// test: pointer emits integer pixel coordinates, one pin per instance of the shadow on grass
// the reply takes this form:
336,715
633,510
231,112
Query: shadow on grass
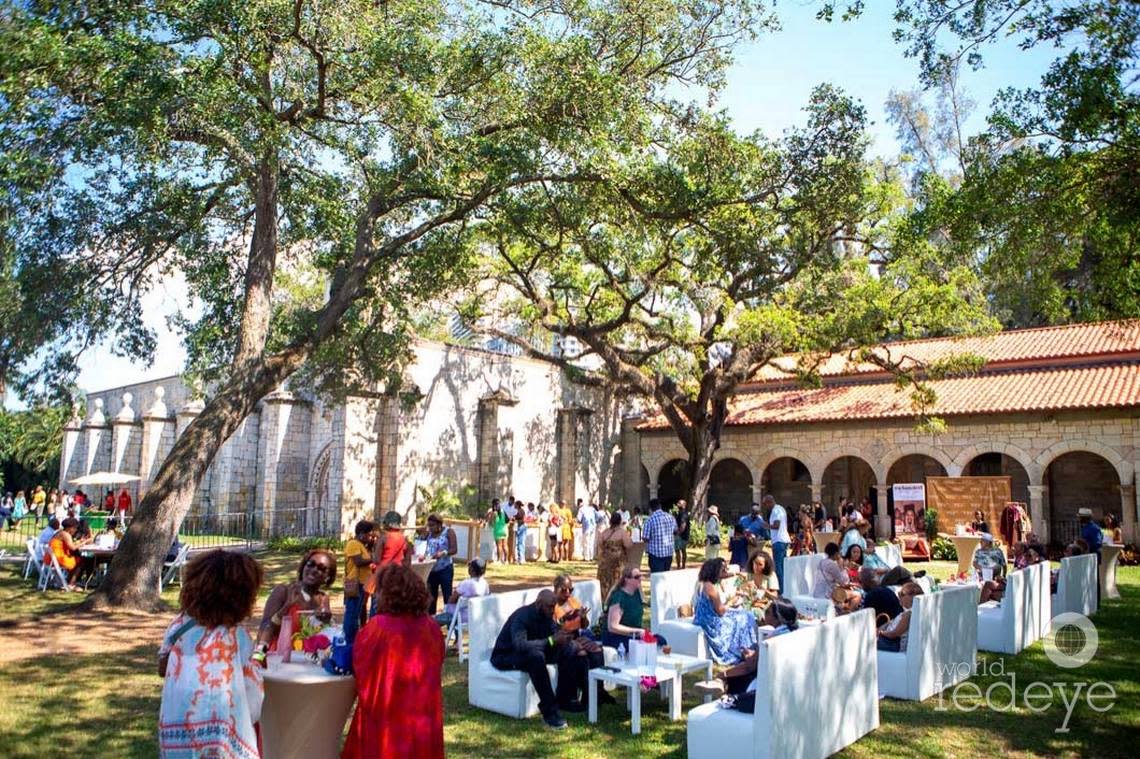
81,705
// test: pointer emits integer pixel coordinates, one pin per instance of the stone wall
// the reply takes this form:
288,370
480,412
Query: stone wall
1033,441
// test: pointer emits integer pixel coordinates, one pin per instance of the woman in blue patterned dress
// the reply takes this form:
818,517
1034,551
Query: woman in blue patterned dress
729,632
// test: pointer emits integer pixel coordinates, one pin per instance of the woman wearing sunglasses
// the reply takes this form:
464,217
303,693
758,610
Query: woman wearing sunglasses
306,597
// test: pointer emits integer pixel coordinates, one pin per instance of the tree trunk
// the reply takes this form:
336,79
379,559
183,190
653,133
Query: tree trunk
257,309
705,441
132,581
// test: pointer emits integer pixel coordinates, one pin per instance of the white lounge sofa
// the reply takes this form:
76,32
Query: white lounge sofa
803,709
942,645
1023,616
509,693
1076,586
668,591
799,577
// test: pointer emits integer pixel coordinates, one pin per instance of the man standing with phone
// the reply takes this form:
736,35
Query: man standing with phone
778,528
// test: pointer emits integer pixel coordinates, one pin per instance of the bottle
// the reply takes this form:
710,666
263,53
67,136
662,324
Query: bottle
622,660
285,639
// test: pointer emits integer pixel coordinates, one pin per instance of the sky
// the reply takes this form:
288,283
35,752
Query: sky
767,88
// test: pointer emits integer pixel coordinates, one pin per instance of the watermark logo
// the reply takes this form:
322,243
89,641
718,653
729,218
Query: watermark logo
1072,641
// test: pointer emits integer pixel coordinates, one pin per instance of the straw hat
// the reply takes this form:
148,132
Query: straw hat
1084,512
714,511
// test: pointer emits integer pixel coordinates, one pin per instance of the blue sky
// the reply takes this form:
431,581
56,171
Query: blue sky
767,89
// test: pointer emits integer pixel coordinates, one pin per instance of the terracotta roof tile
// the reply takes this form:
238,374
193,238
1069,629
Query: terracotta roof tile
1111,385
1068,342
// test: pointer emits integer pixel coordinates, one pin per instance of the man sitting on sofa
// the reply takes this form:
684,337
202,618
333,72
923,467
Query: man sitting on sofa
528,642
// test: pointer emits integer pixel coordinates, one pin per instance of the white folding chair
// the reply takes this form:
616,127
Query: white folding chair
171,569
455,628
34,559
52,574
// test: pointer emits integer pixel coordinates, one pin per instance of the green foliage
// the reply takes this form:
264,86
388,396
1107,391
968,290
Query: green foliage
452,499
30,445
930,516
942,549
1044,203
294,545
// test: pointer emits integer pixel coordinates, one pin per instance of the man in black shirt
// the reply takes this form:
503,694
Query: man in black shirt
529,641
882,600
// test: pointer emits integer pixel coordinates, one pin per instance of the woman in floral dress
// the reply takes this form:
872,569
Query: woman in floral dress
212,689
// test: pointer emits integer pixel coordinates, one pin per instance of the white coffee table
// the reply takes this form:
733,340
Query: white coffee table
683,664
630,679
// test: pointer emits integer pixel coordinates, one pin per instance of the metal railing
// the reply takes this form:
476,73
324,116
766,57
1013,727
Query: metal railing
206,530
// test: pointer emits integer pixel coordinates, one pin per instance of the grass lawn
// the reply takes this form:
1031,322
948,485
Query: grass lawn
84,685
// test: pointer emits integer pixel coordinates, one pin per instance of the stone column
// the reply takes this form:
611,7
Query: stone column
1037,512
186,415
72,432
567,432
816,492
489,463
756,492
157,438
98,441
1128,513
125,444
882,518
630,463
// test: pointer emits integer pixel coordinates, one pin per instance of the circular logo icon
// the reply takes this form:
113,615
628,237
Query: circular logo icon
1072,641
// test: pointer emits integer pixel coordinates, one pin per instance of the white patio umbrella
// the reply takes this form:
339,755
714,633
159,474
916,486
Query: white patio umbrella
104,478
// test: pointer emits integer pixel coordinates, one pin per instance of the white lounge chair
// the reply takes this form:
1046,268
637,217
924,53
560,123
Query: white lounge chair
668,591
508,692
1022,617
1076,586
942,644
803,709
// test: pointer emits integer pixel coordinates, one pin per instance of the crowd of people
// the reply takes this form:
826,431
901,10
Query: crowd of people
46,504
213,687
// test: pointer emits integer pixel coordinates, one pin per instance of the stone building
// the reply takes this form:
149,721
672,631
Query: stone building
465,419
1057,409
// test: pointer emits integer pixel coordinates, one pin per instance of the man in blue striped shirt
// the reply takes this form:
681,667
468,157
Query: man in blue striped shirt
658,536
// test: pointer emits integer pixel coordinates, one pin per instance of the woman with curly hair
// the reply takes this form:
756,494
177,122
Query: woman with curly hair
301,600
211,693
398,663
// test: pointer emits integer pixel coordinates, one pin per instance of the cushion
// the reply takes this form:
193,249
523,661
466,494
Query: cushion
715,732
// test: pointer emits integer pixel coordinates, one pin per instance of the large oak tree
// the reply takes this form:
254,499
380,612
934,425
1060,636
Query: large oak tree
356,139
689,271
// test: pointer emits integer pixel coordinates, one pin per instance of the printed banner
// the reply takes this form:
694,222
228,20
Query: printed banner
910,508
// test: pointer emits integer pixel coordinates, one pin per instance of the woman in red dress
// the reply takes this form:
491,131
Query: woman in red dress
398,662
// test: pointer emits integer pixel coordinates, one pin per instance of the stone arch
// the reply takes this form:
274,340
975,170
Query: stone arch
321,506
997,463
790,487
655,464
847,476
892,456
832,456
1122,467
723,454
730,488
1074,480
673,481
1031,467
765,459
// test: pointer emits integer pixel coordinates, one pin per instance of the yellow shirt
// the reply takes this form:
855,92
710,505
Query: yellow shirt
352,549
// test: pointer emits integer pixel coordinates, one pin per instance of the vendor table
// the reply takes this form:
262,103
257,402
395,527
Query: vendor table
304,711
823,538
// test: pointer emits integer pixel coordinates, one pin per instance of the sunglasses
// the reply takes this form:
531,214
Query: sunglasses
314,564
635,577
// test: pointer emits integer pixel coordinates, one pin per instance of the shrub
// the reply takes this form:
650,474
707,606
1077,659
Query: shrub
294,544
942,549
931,519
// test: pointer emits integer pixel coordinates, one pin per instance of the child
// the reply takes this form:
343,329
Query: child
212,691
738,546
520,536
474,586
